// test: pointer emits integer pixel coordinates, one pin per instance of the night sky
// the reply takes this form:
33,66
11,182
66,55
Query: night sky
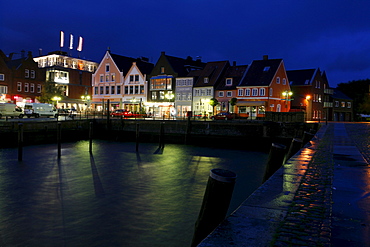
333,35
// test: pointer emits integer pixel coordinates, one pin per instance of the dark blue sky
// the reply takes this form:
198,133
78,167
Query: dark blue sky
333,35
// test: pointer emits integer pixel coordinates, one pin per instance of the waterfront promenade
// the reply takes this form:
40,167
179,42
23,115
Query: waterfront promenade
320,197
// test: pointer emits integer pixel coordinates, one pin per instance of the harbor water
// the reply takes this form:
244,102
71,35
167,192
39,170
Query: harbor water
114,196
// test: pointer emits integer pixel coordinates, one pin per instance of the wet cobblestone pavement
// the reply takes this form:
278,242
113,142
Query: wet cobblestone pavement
309,221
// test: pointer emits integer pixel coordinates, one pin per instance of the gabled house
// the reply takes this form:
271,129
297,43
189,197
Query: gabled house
20,79
122,81
226,90
204,88
264,87
310,93
342,109
162,85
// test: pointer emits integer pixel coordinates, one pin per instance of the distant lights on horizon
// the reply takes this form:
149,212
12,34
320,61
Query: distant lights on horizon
80,42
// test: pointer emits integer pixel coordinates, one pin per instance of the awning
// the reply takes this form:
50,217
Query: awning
250,103
162,77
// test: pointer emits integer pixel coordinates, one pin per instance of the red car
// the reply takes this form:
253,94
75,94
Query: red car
223,116
121,112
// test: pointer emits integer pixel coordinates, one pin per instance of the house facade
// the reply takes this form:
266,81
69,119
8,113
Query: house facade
71,75
162,83
21,79
342,109
264,87
204,88
184,94
226,91
311,93
120,81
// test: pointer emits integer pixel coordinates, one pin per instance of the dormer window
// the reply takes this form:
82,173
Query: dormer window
206,80
267,68
107,68
229,81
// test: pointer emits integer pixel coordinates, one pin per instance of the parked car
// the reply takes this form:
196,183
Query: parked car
67,112
121,113
224,116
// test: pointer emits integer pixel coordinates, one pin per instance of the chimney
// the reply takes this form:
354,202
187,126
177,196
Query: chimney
163,53
265,57
29,54
234,63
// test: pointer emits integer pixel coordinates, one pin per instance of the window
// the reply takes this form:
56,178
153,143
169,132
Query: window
118,89
343,104
160,84
113,77
32,88
267,68
196,92
162,70
112,89
221,94
229,81
247,92
33,74
349,104
136,77
96,90
161,95
202,92
2,77
284,81
101,90
154,95
38,88
106,77
262,92
107,68
208,92
106,89
277,80
26,73
178,96
19,86
254,92
242,109
126,89
229,94
307,82
240,92
3,89
271,91
336,103
101,78
136,89
142,89
131,89
206,80
131,78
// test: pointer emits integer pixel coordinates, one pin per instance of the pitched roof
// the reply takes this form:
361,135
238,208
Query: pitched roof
261,72
214,71
124,63
337,94
183,66
234,72
300,77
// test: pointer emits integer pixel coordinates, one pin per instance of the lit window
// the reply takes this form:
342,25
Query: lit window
113,77
206,80
349,104
247,92
142,89
240,92
3,89
162,70
208,92
254,92
154,95
343,104
262,92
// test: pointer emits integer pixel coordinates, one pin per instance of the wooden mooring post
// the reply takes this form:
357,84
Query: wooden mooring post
59,137
90,136
275,159
20,142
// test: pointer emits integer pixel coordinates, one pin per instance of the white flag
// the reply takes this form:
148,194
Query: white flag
79,48
71,42
61,39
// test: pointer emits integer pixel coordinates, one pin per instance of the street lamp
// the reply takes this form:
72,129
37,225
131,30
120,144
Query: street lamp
56,98
86,98
169,95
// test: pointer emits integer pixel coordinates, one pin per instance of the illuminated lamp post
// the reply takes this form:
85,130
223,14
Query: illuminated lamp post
308,108
169,95
57,99
86,98
287,95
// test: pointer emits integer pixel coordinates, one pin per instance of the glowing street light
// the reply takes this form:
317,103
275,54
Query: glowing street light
57,99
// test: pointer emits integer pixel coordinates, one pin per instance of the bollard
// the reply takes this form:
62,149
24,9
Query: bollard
275,160
20,142
161,136
137,137
295,145
59,136
188,130
90,136
307,136
215,204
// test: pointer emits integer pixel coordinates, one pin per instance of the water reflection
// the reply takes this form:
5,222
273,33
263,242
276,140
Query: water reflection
114,197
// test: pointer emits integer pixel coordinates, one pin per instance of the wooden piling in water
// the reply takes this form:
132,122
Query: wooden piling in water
215,204
20,142
59,137
275,159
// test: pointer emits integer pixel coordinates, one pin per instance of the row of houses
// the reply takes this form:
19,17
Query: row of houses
173,86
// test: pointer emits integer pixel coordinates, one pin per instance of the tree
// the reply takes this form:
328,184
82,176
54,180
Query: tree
359,92
213,102
50,90
233,103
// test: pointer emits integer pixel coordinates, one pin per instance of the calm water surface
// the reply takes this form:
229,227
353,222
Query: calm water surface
115,197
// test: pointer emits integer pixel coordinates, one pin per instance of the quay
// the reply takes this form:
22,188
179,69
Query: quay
320,197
